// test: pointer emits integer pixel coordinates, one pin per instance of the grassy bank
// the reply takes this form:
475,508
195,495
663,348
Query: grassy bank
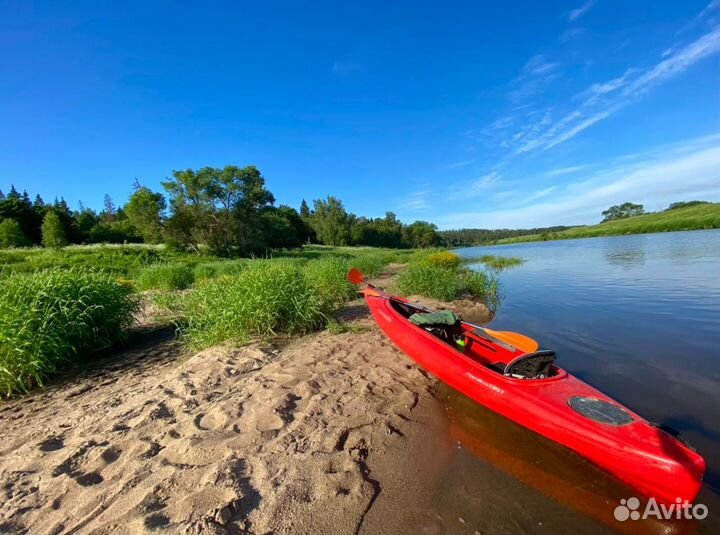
442,276
50,319
705,216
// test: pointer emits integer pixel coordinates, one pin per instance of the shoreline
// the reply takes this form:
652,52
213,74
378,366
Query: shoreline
519,241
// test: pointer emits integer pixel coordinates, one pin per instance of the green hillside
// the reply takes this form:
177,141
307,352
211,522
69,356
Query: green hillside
704,216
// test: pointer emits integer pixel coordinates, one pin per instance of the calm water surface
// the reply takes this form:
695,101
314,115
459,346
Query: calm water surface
637,317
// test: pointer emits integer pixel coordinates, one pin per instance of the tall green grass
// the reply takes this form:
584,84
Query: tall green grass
372,263
484,286
268,297
426,279
498,263
210,270
328,277
166,277
50,318
449,283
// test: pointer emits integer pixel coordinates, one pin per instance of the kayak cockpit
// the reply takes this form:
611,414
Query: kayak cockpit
473,342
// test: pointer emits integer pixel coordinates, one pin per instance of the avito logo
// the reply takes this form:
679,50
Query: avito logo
630,510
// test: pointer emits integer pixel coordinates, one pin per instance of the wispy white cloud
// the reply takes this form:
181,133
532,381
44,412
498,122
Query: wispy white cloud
561,171
482,185
578,127
455,165
580,11
603,99
608,86
534,76
676,63
418,200
540,194
686,171
570,34
706,14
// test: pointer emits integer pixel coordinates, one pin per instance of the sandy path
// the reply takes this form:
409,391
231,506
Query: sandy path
310,438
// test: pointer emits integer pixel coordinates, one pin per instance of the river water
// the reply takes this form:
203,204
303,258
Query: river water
638,317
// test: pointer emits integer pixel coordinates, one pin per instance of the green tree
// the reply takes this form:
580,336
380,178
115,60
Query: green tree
53,232
622,211
283,228
421,234
85,220
685,204
331,222
11,234
14,206
218,207
144,210
13,194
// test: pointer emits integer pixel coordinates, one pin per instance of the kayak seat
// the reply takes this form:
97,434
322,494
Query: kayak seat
535,365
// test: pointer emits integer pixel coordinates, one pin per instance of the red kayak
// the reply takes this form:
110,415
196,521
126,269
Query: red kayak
529,389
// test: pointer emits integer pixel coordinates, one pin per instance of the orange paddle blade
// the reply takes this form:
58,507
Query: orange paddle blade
522,342
355,276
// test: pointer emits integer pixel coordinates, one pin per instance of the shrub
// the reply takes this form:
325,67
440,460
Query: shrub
50,318
11,235
428,280
266,298
166,277
444,259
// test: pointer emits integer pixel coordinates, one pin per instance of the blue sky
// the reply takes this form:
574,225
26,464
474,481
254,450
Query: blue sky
468,114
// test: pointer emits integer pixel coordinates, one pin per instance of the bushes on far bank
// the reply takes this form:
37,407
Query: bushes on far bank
49,318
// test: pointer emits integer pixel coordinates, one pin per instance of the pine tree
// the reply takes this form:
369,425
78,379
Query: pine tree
38,203
13,193
108,213
2,195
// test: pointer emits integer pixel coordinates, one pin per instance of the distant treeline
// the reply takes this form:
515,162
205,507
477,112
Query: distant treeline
479,236
227,211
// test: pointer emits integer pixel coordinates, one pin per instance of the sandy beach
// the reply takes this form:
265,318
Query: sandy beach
309,435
